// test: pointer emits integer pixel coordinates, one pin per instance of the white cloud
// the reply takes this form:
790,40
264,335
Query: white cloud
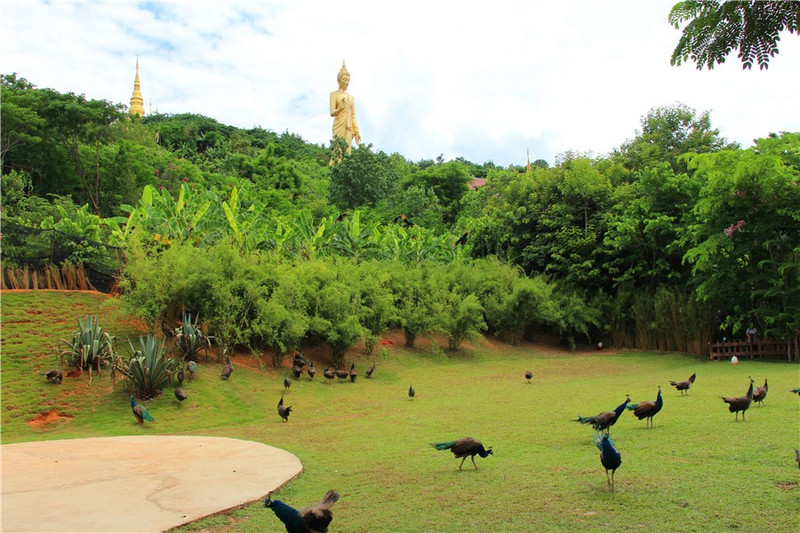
480,81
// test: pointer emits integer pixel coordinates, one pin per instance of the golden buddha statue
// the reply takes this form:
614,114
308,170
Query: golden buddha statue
343,111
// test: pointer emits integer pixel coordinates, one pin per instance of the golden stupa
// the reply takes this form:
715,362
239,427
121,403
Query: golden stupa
137,102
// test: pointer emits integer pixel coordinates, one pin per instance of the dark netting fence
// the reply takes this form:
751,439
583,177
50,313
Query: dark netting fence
35,258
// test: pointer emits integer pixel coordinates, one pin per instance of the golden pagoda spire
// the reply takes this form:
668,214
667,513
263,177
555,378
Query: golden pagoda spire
137,102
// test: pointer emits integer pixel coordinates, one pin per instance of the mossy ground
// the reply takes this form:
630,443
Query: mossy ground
697,469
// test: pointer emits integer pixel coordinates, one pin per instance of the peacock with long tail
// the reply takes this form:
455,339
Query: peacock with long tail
683,386
315,518
603,421
610,457
648,409
140,412
463,448
740,403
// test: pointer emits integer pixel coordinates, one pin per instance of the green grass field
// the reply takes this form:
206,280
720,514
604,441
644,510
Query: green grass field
696,470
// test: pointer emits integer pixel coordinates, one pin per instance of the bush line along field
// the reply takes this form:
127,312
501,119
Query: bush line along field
697,469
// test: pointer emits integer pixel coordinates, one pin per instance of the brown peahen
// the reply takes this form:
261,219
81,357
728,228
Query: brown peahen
315,518
739,403
370,371
466,447
683,386
54,376
284,411
647,409
759,393
328,373
529,376
227,370
180,394
311,370
353,373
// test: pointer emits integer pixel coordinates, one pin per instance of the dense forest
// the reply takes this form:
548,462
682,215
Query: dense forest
673,239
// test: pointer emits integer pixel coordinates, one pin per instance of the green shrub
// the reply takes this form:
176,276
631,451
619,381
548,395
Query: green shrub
191,338
148,370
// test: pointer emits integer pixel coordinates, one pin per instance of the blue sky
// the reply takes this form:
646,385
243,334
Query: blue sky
483,80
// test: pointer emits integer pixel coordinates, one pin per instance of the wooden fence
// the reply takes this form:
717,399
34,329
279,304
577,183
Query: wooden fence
753,350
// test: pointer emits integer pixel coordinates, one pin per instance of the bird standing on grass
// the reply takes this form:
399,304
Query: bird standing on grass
466,447
609,456
140,412
796,391
353,373
227,370
606,419
180,394
411,391
286,385
529,376
311,370
315,518
342,374
328,373
297,371
54,376
284,411
739,403
759,393
370,371
683,386
647,409
191,367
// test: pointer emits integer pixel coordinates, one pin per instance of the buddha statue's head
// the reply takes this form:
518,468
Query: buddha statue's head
343,77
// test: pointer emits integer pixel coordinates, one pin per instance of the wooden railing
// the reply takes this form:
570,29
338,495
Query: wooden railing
753,350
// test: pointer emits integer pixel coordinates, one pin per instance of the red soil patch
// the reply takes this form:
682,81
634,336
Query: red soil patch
42,420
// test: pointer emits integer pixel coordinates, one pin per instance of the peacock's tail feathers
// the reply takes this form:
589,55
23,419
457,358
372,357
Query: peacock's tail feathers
330,498
443,445
632,406
146,414
586,419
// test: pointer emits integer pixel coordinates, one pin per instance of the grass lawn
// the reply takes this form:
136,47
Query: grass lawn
697,470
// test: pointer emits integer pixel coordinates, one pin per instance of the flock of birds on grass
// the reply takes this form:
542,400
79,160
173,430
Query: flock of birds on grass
317,518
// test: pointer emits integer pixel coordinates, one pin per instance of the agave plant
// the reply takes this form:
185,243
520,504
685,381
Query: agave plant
91,347
190,338
148,369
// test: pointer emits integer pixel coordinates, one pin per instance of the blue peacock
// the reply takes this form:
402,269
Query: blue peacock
140,412
315,518
610,457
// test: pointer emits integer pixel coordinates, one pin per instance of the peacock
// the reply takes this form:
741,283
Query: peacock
140,412
466,447
759,393
683,386
181,376
610,457
328,373
297,371
227,370
648,409
191,367
54,376
606,419
286,385
795,391
180,394
353,373
342,374
411,391
311,370
529,376
739,403
284,411
315,518
371,370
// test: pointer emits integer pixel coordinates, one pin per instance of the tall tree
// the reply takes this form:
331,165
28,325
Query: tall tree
716,28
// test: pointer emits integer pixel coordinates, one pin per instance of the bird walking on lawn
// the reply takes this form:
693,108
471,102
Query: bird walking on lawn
739,403
796,391
297,371
227,370
606,419
181,376
284,411
353,373
140,412
411,391
683,386
463,448
54,376
797,456
315,518
180,394
370,371
759,393
311,370
648,409
191,367
328,373
529,376
610,457
286,385
342,374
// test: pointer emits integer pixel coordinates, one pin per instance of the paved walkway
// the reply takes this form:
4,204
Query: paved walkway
134,483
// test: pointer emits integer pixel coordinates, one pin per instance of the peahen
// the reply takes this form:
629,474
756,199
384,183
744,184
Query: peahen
609,456
328,373
191,367
180,394
371,370
529,376
648,409
181,376
466,447
286,385
739,403
342,374
606,419
683,386
297,371
227,370
140,412
411,391
284,411
54,376
353,373
759,393
311,370
315,518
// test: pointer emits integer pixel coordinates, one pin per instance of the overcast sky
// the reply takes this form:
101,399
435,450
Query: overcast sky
481,80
